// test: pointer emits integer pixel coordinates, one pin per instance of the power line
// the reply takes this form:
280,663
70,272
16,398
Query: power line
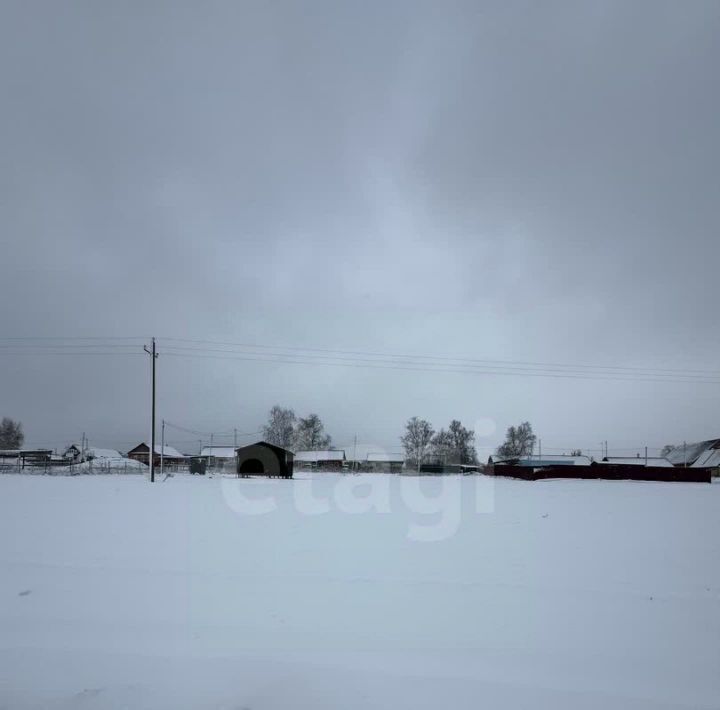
114,345
419,367
73,337
68,352
510,363
253,352
229,433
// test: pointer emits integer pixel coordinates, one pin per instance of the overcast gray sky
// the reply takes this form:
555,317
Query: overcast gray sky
532,182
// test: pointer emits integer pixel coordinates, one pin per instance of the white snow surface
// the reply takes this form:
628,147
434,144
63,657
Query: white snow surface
566,595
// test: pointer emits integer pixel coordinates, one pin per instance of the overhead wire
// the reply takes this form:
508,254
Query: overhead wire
466,360
175,351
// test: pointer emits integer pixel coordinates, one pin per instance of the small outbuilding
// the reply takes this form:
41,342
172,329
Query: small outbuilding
383,462
263,459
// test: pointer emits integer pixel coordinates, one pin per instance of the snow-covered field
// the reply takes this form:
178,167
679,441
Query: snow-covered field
185,594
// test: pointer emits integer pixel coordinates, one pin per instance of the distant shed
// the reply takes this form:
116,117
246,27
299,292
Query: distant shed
263,459
219,456
381,462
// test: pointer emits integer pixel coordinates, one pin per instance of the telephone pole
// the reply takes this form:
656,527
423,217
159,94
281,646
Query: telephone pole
153,356
162,447
235,438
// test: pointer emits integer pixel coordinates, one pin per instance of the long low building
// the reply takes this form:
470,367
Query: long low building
538,461
329,460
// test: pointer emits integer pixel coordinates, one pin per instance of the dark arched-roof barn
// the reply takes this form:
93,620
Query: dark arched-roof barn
263,459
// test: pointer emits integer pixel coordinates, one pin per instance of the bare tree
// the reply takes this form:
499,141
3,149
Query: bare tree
456,445
576,452
11,434
666,449
280,427
416,440
441,447
310,434
463,443
519,441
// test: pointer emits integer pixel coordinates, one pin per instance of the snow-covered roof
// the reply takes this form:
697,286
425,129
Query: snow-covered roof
637,461
689,453
95,453
710,458
385,458
219,452
313,456
169,451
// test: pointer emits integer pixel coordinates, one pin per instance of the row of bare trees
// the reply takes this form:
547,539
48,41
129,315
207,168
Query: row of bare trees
454,445
284,428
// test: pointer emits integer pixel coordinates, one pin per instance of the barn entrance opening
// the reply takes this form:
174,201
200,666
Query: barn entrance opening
252,466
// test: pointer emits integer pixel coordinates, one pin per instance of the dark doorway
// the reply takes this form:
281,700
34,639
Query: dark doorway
252,466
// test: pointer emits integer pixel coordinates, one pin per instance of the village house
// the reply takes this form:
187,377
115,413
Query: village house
170,456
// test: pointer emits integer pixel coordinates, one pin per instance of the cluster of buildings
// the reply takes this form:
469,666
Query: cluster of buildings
690,462
696,462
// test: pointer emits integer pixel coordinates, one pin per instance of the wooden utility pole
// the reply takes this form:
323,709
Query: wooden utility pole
151,458
162,448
